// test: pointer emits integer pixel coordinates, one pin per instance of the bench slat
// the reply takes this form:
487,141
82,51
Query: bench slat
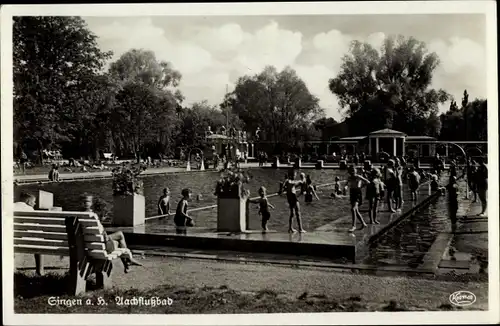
91,230
41,242
88,222
44,250
40,227
40,234
38,220
95,246
93,237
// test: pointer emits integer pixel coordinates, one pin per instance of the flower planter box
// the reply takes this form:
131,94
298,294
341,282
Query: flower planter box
298,163
276,163
231,214
129,210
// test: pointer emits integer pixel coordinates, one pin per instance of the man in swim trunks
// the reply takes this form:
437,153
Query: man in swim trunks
355,183
290,186
391,183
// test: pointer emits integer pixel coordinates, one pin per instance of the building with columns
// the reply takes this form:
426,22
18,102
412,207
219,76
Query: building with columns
389,141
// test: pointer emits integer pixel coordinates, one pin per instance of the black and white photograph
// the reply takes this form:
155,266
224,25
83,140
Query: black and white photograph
250,163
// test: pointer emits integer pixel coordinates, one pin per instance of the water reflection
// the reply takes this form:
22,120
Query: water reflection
408,242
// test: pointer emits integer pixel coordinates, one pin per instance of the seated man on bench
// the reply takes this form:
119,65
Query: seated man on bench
27,203
114,240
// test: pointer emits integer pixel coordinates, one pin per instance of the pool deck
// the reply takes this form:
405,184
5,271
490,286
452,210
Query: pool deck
106,174
331,240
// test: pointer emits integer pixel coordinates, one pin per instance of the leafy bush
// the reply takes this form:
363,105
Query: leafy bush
126,180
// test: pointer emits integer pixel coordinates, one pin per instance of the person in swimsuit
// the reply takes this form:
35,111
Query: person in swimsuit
264,205
114,240
164,204
391,183
398,194
310,191
355,182
290,186
481,181
413,183
281,188
303,184
181,219
453,193
373,191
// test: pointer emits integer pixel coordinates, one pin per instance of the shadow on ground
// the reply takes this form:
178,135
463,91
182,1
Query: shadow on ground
30,285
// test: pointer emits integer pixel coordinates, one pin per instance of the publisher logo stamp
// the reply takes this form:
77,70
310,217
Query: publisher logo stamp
462,298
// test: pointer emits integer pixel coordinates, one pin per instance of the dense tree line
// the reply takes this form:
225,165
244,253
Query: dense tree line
65,99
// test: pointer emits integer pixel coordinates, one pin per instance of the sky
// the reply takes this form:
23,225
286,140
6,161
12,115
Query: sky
211,52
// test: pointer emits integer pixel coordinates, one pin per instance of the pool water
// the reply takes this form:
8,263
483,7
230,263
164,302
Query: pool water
67,194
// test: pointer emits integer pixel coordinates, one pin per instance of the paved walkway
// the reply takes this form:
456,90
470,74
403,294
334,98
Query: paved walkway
468,247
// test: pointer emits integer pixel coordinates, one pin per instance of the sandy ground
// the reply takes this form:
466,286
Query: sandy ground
283,280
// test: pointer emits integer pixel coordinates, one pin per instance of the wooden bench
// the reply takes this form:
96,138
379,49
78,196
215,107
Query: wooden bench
78,235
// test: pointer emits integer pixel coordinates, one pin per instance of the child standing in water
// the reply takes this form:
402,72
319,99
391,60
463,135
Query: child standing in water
413,183
355,182
164,204
263,207
181,218
290,186
373,192
310,192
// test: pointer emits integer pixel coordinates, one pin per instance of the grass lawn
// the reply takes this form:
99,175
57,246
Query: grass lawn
207,300
197,286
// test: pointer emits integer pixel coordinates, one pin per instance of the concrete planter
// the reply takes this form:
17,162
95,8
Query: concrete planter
232,213
276,163
343,165
298,163
129,210
319,164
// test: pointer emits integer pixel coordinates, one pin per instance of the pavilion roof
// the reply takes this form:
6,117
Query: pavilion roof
387,131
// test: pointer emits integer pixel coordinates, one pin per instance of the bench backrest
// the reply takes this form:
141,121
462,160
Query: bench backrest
44,232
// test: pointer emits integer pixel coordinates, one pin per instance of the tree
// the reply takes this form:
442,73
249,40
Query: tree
54,59
394,82
470,122
141,66
278,103
148,105
196,120
144,118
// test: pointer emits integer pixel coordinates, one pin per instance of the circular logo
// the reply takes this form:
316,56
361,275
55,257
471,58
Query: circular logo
462,298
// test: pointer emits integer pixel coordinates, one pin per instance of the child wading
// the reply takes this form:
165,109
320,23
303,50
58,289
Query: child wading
453,202
413,183
310,192
373,192
263,207
293,202
355,183
181,219
164,204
